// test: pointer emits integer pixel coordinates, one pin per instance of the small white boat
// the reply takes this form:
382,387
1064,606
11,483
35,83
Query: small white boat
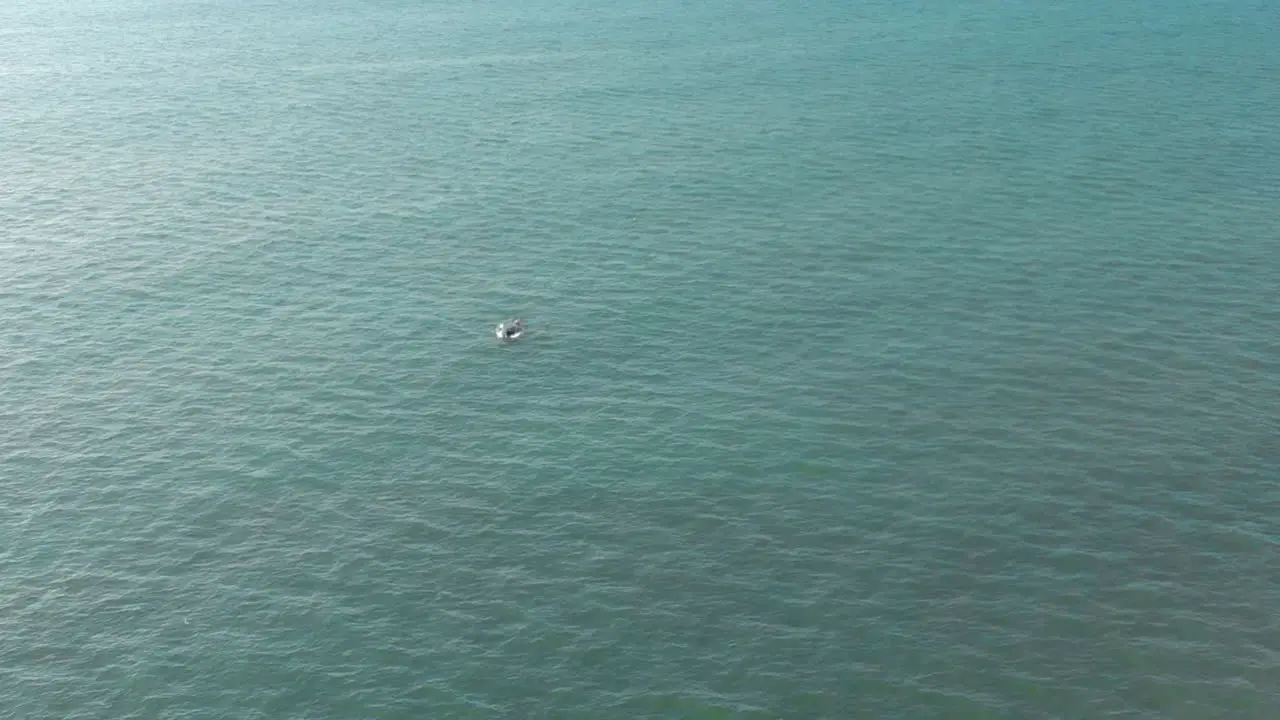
510,330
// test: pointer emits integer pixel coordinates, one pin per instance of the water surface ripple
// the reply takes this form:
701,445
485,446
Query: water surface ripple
886,360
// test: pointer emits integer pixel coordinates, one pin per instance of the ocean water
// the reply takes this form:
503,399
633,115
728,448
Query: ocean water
887,360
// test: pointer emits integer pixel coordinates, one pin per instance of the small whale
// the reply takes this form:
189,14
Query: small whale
510,330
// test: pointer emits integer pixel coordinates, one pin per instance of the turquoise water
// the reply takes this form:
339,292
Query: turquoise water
912,360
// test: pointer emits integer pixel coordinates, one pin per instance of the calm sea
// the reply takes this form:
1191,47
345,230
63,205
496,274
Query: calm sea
908,359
